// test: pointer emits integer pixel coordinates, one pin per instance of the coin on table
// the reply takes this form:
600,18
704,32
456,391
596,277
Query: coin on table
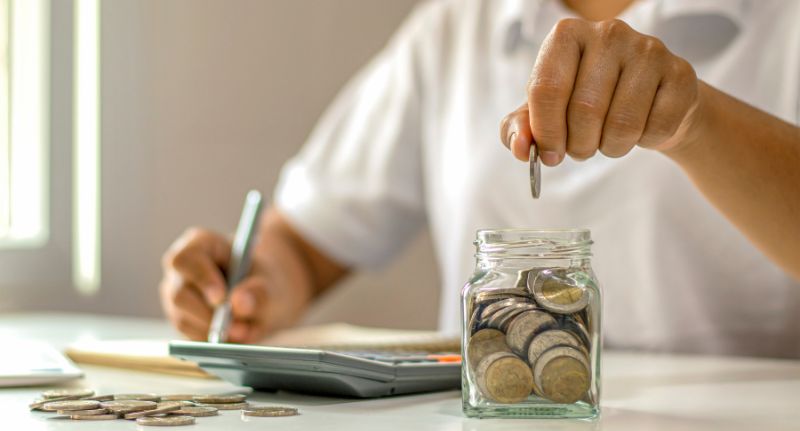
551,338
137,397
71,405
535,171
58,393
182,403
484,343
108,397
107,417
272,411
219,399
92,412
167,421
524,327
38,403
226,406
156,411
562,374
178,397
196,411
128,406
504,378
557,292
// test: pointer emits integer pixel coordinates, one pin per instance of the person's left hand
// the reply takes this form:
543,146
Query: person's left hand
602,86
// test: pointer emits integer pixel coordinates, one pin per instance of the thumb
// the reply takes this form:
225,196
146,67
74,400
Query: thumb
248,298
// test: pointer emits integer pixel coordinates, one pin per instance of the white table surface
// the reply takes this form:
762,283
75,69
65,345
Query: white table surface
640,392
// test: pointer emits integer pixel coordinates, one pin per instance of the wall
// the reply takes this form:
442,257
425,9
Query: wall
203,100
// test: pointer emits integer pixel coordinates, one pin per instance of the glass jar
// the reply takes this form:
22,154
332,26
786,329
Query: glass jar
531,326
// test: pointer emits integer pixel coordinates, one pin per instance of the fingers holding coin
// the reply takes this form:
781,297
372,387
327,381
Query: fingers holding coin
515,133
602,86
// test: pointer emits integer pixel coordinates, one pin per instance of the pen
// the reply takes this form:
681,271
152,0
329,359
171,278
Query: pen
239,264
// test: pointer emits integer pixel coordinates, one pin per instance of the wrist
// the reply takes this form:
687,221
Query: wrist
693,134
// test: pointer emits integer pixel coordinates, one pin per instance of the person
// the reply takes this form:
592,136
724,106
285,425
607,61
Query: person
667,127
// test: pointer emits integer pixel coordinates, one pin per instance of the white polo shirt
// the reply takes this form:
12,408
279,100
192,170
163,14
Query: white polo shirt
412,142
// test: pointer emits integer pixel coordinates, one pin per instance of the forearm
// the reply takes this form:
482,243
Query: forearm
303,264
747,163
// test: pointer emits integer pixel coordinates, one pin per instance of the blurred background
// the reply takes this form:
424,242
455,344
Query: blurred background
197,102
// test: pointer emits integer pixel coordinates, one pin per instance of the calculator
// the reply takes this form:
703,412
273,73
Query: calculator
359,374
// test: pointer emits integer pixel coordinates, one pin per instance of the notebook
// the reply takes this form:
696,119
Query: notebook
153,355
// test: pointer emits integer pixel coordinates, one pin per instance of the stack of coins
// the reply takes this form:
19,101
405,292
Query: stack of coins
532,338
148,409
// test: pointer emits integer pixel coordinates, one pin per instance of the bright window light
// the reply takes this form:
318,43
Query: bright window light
86,148
5,154
24,89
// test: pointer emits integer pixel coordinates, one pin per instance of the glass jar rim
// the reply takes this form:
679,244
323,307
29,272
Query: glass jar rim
518,243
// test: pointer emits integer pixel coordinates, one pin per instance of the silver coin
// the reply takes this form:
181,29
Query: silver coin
196,411
556,291
108,417
59,393
153,412
493,308
535,171
524,327
179,397
504,378
551,338
128,406
484,343
219,399
92,412
577,328
38,403
99,397
271,412
562,374
167,421
70,405
137,397
501,319
182,403
226,406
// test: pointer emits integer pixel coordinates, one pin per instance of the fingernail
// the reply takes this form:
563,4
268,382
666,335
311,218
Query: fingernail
550,158
511,139
215,295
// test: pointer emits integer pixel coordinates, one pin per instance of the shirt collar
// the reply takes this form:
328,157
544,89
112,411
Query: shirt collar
524,21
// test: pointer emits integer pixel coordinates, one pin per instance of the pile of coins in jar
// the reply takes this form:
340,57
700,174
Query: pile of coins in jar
148,409
532,338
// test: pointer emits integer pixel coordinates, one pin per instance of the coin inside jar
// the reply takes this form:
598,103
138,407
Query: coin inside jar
556,292
504,378
562,374
484,343
524,327
549,339
502,318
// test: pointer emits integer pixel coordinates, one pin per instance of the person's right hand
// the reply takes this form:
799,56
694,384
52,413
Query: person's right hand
194,283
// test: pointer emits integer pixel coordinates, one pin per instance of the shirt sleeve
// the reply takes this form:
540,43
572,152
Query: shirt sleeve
355,189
